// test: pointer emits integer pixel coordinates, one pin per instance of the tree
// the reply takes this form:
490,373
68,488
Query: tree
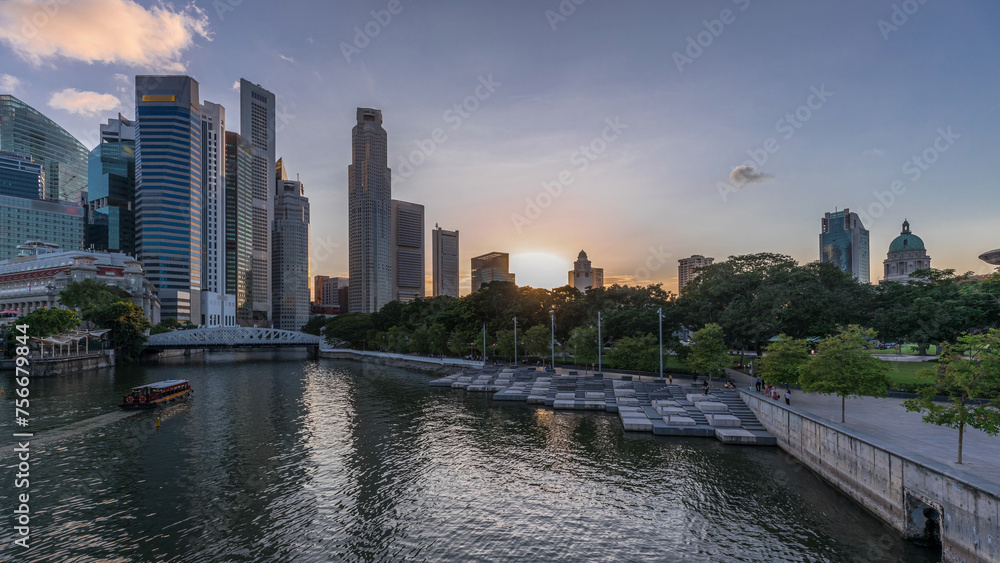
128,326
505,344
966,370
48,321
538,340
636,352
844,367
352,328
709,354
583,343
314,325
89,295
783,361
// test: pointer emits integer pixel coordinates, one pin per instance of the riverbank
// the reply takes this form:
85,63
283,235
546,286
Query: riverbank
62,365
429,364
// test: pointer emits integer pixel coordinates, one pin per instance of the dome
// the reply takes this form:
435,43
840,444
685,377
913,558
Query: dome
582,256
906,241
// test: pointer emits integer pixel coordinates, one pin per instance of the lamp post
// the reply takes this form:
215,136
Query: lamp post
600,343
659,314
552,313
515,341
484,344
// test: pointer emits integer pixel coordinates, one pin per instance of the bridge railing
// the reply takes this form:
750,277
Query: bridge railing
231,337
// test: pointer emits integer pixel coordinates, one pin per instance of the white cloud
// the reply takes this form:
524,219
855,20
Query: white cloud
106,31
9,84
874,152
284,58
236,85
83,103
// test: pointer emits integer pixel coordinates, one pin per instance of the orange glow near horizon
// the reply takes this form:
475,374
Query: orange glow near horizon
540,269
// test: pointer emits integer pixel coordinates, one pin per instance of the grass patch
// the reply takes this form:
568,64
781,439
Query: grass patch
906,372
908,350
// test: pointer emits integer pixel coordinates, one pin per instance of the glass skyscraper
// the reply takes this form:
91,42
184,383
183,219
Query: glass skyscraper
290,256
168,169
20,176
239,225
843,241
257,119
63,158
54,222
370,215
111,189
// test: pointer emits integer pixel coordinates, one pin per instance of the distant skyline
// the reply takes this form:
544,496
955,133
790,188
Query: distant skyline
640,132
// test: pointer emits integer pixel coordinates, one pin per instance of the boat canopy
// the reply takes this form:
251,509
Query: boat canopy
161,384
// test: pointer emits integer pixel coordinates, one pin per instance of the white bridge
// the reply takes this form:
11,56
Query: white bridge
231,337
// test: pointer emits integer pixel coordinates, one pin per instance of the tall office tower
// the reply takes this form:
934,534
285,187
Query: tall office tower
319,295
583,276
257,126
844,242
290,256
239,225
686,269
407,251
217,307
370,215
25,130
445,256
168,169
111,189
38,220
491,267
21,176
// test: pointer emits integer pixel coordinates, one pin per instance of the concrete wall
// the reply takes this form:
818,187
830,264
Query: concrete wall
895,485
419,363
62,366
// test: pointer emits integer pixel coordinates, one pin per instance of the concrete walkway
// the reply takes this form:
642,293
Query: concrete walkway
887,420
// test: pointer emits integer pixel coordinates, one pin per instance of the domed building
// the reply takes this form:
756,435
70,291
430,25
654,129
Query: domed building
583,276
907,254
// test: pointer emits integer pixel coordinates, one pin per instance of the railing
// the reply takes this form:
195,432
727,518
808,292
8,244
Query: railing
230,337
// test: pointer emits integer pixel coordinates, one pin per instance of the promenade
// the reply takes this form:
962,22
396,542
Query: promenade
887,420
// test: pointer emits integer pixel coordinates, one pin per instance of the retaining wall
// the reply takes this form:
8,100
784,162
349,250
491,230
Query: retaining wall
419,363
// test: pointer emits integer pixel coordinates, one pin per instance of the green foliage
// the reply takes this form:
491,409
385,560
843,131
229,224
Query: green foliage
314,325
351,329
49,321
158,329
637,353
128,326
89,295
709,354
783,361
843,366
170,322
538,341
583,343
968,369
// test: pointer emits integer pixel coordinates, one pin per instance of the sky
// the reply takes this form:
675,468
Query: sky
641,132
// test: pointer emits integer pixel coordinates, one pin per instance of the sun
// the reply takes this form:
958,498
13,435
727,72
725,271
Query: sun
540,269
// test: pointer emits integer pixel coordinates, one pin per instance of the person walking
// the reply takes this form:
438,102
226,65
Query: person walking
788,396
758,383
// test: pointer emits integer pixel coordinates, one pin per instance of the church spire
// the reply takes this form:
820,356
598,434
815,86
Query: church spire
906,227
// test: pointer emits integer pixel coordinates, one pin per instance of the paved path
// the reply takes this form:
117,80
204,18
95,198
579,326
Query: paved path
887,420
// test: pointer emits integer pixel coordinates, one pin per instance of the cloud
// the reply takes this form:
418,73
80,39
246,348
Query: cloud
236,85
874,152
284,58
743,175
83,103
9,84
106,31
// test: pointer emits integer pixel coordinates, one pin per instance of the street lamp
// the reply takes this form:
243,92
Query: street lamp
515,341
552,313
600,343
659,315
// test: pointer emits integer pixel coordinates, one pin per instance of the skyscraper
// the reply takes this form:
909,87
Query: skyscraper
168,173
213,197
686,269
370,215
111,189
21,176
843,241
491,267
445,257
583,276
257,126
63,158
290,247
407,251
239,225
23,220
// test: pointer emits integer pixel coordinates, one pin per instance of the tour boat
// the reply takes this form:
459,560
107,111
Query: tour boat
157,394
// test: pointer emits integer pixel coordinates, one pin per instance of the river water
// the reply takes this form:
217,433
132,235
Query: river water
279,457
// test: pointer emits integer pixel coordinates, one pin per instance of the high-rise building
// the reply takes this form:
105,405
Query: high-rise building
257,119
217,307
290,258
63,158
407,251
583,276
843,241
444,274
168,176
111,189
319,297
687,269
23,220
370,215
906,255
239,226
21,176
491,267
331,294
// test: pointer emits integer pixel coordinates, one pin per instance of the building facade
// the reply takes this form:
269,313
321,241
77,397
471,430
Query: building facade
843,241
56,222
906,255
62,157
687,269
444,274
213,197
408,281
21,176
491,267
111,189
41,270
331,295
239,226
370,215
584,276
290,247
168,172
257,119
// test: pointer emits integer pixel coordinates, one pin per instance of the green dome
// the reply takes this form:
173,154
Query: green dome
906,241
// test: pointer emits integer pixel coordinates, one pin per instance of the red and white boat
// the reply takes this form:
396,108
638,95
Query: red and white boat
157,394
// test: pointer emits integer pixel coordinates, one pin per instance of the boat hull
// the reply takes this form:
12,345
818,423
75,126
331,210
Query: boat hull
159,403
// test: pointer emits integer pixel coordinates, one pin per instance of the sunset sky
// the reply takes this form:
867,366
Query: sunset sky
547,127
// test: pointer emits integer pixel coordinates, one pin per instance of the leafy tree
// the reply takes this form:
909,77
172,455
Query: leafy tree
505,344
538,341
170,322
314,325
89,295
636,352
351,328
709,354
783,361
844,367
437,339
49,321
966,370
583,343
128,326
158,329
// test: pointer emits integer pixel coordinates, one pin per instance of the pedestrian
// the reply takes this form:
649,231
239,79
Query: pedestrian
671,376
758,384
788,396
